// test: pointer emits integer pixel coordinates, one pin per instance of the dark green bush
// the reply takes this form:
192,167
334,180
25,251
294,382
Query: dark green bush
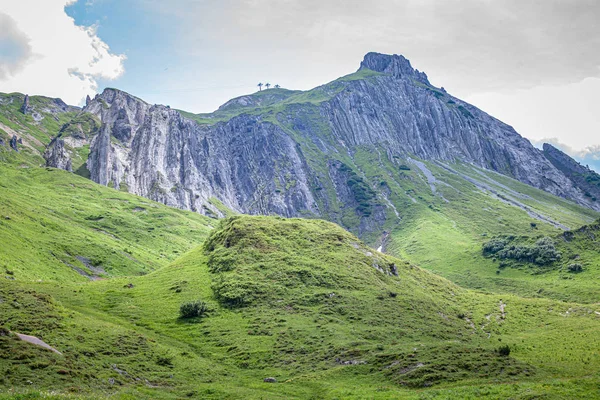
542,252
404,167
164,360
494,246
192,309
575,268
504,350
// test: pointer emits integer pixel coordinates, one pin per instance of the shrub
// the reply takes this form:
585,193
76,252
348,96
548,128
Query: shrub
494,246
164,360
575,268
504,350
404,167
542,252
192,309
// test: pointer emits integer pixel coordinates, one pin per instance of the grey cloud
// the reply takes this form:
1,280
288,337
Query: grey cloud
474,45
15,50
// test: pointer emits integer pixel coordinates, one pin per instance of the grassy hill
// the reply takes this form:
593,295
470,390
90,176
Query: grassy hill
58,226
301,301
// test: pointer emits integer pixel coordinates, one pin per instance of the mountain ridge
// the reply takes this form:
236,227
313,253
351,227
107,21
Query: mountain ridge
293,153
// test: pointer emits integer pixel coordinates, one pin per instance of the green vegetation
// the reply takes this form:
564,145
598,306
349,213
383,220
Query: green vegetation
38,131
274,101
145,301
58,226
362,193
193,309
322,313
543,252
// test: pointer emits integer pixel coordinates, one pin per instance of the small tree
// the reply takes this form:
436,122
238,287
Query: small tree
267,85
276,86
260,85
192,309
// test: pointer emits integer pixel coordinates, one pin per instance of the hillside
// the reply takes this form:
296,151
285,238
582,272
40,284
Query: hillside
303,302
281,152
61,227
563,266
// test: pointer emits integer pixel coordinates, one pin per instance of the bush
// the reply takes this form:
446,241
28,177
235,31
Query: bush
494,246
164,360
504,350
192,309
404,167
542,252
575,268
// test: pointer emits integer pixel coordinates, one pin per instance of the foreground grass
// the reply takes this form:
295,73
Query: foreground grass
304,302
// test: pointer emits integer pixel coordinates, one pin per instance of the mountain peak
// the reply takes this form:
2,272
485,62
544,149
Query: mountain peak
395,65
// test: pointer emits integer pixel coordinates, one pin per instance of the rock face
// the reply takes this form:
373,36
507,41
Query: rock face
25,106
14,143
583,177
294,153
157,153
56,155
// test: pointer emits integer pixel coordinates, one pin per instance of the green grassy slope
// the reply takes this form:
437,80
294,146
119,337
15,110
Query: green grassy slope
304,302
57,226
442,214
36,132
568,267
448,237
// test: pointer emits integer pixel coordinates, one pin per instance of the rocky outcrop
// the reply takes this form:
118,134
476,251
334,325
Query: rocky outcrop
293,153
583,177
25,106
14,143
57,156
249,165
87,100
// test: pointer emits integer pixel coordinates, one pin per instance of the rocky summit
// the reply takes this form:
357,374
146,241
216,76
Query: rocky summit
295,153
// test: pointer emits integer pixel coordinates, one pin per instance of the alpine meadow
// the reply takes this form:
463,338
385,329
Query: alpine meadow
375,237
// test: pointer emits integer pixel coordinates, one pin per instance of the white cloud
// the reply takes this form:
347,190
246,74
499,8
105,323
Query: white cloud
15,50
67,59
568,112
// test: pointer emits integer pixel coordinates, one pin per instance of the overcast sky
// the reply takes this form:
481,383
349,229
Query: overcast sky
535,64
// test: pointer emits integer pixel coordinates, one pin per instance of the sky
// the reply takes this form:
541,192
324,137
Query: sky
534,64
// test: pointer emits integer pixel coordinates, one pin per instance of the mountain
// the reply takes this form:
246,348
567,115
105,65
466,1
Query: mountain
583,177
483,285
293,153
323,154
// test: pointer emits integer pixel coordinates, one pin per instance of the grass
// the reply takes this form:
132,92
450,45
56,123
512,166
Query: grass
58,226
274,101
319,316
36,134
